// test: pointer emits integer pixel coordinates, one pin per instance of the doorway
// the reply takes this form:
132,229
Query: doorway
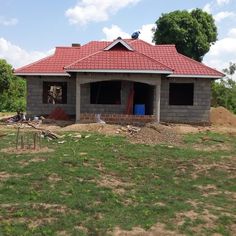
144,95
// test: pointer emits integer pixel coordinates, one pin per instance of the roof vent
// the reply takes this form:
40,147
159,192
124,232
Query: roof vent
119,37
135,35
75,45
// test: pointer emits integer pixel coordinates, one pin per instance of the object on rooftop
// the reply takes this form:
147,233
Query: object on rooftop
135,35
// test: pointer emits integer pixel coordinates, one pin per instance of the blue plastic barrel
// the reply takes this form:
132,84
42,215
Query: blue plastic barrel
139,109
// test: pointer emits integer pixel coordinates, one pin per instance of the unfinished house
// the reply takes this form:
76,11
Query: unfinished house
124,81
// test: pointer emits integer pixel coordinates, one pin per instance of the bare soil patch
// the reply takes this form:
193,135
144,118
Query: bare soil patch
25,151
209,220
228,165
214,147
33,160
4,176
52,207
32,223
53,178
37,206
158,229
114,183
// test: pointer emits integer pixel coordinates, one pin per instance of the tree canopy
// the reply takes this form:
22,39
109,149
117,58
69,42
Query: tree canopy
193,32
12,89
224,91
5,75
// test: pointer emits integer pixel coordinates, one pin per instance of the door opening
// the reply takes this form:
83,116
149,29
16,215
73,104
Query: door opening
144,96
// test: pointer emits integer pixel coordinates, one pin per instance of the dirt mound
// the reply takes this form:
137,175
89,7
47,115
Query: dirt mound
155,134
222,116
150,134
94,127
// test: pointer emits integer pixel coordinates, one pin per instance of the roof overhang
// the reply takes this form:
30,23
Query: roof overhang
195,76
42,74
122,71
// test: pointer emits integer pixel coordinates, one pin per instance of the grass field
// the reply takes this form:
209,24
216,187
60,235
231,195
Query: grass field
99,185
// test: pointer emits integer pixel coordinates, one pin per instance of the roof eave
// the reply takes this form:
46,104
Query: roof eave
195,76
120,71
41,74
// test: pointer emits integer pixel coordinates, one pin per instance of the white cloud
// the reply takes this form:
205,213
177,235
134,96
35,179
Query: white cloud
8,22
222,52
95,10
222,2
207,7
232,32
222,15
17,56
224,46
147,32
114,32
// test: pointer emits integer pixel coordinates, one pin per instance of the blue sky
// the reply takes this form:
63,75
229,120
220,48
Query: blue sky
30,29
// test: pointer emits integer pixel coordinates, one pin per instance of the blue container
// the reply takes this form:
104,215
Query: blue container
139,109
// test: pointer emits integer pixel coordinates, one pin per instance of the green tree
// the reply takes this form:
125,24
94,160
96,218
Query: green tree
12,89
193,32
5,75
224,91
231,70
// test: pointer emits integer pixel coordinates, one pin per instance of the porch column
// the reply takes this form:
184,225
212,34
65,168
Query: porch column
158,103
78,95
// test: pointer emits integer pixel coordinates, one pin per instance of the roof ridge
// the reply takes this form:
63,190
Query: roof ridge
154,60
200,63
164,45
68,47
81,59
136,40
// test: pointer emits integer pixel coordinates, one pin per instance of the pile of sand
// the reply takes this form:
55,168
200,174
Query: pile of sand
222,116
93,127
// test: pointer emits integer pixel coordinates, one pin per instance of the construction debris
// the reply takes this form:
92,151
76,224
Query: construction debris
98,119
19,117
129,129
44,132
58,114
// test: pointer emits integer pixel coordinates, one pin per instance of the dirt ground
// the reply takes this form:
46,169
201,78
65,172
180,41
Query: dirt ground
222,121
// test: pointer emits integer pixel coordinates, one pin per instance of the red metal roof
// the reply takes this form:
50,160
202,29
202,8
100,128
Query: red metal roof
143,57
118,60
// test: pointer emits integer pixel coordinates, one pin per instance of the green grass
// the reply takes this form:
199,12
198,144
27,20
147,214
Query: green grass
89,186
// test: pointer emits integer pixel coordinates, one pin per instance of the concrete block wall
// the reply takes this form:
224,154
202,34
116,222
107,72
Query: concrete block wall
198,113
35,106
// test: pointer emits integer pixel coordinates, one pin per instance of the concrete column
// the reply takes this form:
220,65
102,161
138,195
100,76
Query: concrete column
78,95
158,103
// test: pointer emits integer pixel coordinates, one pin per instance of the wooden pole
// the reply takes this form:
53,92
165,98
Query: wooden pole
17,137
22,142
35,139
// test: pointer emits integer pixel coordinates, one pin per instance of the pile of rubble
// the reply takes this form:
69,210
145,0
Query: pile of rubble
129,129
